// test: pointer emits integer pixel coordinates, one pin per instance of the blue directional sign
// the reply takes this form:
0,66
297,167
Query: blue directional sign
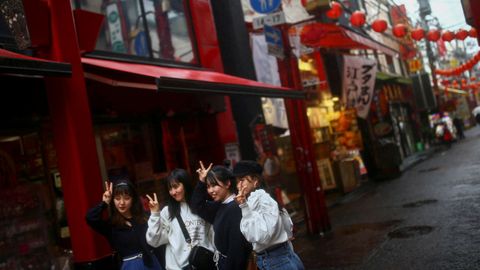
265,6
273,37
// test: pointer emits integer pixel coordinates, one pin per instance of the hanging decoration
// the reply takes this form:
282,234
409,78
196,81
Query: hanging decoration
358,18
448,35
433,35
335,11
379,25
472,33
460,69
417,34
399,30
461,34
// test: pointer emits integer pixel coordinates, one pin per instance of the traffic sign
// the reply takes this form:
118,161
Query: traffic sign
273,37
265,6
270,19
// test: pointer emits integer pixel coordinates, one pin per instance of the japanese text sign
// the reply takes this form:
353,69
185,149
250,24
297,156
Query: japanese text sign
358,83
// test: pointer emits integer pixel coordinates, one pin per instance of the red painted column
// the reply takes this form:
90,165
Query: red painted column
73,136
305,161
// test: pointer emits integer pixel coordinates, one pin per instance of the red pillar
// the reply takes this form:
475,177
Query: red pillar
305,161
73,136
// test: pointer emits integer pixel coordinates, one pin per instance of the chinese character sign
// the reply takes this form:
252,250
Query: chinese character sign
358,83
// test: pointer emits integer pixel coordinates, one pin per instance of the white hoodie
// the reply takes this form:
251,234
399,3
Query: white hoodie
161,230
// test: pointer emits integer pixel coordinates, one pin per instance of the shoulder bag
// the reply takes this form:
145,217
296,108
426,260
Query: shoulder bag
200,258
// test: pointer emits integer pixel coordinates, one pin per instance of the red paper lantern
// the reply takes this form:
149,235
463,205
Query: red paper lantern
334,14
379,25
417,34
358,18
399,30
472,33
336,6
448,36
433,35
473,78
461,34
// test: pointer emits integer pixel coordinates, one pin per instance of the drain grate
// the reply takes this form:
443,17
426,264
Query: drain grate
429,169
419,203
410,231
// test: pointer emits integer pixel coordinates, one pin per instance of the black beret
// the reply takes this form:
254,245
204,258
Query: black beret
247,167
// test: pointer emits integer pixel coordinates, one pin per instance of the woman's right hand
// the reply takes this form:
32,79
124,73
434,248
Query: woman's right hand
107,195
202,172
153,203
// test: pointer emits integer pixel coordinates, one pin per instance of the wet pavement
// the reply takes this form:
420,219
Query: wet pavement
429,218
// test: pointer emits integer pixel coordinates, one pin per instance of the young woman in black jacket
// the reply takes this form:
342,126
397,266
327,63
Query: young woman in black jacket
213,200
125,229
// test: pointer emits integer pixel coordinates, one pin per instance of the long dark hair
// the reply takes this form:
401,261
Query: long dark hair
177,176
221,174
125,187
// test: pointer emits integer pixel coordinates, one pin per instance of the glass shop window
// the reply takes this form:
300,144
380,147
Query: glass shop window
156,29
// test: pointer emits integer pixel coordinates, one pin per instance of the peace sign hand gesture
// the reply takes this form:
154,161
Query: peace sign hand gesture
241,198
107,195
202,172
153,203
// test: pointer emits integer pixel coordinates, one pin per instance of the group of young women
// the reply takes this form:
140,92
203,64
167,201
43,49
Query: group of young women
228,212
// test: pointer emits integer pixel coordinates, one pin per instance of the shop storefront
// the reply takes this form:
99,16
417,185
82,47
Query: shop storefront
34,231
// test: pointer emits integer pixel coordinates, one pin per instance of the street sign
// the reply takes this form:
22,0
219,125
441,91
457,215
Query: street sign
273,37
271,19
265,6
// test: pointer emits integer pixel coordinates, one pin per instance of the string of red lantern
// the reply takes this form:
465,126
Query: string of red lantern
460,69
358,19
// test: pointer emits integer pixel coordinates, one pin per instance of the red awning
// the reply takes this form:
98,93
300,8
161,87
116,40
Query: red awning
180,80
19,64
325,35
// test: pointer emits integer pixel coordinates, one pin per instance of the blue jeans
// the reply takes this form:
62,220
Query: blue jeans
281,258
137,264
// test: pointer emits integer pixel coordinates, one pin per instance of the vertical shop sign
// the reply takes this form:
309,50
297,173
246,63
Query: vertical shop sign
358,83
115,28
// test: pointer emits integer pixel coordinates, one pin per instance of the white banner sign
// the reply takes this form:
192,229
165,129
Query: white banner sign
358,83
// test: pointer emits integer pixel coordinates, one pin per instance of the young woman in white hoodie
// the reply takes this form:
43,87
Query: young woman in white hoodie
264,224
164,228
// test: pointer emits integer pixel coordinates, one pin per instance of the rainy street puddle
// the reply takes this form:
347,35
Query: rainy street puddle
357,228
410,231
429,169
419,203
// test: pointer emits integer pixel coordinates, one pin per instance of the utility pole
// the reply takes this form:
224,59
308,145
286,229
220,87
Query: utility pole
424,11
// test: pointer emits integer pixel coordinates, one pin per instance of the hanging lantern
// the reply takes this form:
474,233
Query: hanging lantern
379,25
334,14
336,6
461,34
433,35
399,30
417,34
358,18
473,78
448,36
472,33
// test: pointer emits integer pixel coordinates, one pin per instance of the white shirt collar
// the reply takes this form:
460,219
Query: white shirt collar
229,199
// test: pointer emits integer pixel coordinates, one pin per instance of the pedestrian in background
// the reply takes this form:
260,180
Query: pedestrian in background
459,126
164,226
125,229
264,223
213,200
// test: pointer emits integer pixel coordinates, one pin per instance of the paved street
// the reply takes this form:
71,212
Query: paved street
429,218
